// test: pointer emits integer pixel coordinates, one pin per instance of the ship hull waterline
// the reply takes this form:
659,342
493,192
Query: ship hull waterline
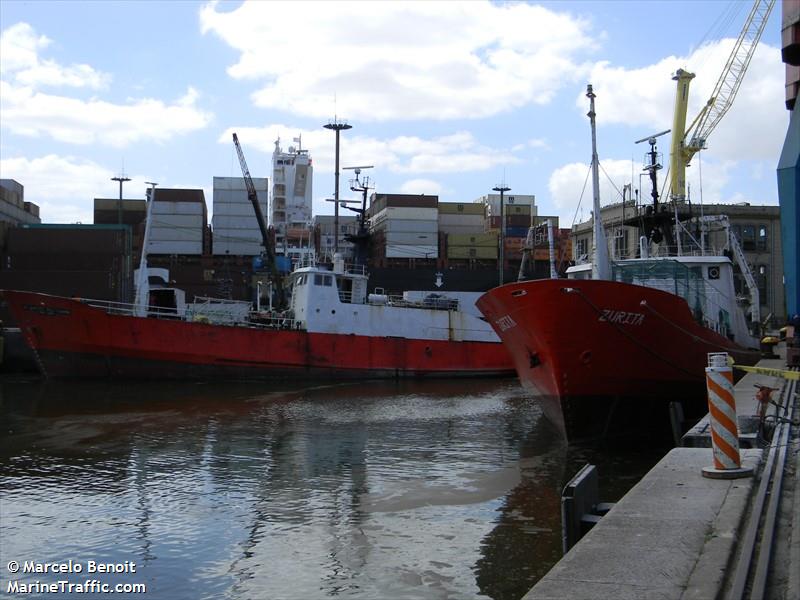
74,339
595,352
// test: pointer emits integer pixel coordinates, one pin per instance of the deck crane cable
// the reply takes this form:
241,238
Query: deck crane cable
720,27
585,181
611,181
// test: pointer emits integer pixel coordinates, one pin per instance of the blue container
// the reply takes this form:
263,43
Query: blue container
516,232
258,263
283,264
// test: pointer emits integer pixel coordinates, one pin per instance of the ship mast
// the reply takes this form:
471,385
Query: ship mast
601,267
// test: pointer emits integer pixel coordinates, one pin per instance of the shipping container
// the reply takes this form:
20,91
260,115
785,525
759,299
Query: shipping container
113,204
511,243
379,202
405,212
176,234
238,184
510,220
31,208
478,252
235,222
183,221
72,261
177,208
411,238
518,220
100,239
461,230
236,209
458,220
231,243
516,232
479,239
411,251
517,209
462,208
394,225
174,247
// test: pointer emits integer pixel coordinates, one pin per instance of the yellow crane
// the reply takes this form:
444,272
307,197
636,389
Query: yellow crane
685,146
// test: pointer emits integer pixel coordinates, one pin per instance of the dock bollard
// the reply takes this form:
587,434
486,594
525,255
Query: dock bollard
724,429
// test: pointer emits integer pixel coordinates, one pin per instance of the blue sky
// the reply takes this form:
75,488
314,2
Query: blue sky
444,98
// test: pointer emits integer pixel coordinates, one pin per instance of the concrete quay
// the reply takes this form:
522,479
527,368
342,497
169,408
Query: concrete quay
679,535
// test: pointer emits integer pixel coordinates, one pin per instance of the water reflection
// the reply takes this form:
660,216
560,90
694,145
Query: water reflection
431,489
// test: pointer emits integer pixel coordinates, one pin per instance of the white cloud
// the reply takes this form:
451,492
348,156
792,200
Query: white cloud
35,114
422,186
643,99
456,153
401,60
19,60
28,111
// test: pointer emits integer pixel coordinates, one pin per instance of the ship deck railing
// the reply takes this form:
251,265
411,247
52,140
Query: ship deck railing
431,302
254,319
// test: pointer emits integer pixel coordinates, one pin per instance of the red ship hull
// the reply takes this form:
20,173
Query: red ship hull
73,339
588,347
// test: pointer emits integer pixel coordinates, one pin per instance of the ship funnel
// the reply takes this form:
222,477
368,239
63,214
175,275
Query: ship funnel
338,263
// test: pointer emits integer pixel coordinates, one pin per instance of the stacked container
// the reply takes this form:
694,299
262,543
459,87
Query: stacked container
236,230
461,218
481,246
405,225
178,222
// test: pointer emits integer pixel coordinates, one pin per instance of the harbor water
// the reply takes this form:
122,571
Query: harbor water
432,489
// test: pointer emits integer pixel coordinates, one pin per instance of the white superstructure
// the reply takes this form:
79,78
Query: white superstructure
291,200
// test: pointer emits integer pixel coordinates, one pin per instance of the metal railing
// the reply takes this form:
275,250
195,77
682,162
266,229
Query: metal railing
252,319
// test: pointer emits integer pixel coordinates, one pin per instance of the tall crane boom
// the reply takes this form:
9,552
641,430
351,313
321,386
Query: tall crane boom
694,139
269,250
253,197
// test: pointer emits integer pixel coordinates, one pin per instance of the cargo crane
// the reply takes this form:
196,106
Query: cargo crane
685,146
266,239
694,138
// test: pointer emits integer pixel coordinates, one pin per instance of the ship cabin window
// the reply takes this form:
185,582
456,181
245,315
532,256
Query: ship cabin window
762,238
327,280
317,279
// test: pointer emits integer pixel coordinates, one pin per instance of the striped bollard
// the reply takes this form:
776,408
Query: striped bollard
724,429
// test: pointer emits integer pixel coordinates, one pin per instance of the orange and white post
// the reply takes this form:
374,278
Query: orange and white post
724,428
